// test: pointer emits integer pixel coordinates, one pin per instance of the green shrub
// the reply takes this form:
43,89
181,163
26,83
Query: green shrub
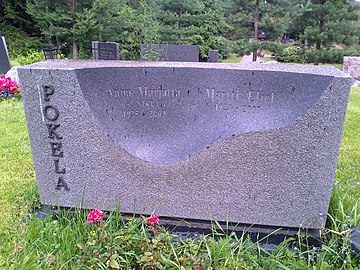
352,52
325,56
30,57
291,54
18,42
274,46
243,47
301,55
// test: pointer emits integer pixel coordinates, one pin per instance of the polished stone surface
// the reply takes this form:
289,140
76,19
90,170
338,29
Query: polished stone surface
105,50
4,56
170,52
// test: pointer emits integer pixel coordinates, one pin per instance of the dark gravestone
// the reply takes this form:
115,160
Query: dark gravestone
213,56
355,241
169,52
105,50
4,57
250,144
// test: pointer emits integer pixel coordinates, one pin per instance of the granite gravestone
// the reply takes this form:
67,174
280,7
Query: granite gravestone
251,144
105,50
170,52
213,56
351,65
4,57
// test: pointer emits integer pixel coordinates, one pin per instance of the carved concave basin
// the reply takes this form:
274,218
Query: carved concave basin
166,114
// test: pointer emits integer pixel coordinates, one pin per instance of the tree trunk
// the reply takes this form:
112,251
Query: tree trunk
321,29
318,43
75,46
256,29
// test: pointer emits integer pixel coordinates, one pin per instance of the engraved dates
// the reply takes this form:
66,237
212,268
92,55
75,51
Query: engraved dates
151,114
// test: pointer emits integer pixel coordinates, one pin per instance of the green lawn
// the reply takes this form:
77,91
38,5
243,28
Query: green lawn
338,66
70,243
233,58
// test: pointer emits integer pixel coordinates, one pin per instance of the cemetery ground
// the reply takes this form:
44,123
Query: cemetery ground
69,242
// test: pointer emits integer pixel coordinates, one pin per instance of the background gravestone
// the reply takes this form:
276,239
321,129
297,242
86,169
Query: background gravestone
105,50
170,52
4,57
351,65
213,56
250,144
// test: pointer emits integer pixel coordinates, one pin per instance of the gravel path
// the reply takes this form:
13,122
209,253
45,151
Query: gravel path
248,58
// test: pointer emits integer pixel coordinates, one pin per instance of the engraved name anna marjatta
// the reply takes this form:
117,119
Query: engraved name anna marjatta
145,92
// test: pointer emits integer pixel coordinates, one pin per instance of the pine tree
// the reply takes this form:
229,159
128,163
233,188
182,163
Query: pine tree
13,13
198,22
80,22
249,17
57,19
328,22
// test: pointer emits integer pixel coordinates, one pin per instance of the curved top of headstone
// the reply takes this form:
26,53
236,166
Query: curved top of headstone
164,112
13,74
84,64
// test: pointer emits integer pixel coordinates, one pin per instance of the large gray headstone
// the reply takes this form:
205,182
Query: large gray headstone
170,52
254,144
4,56
105,50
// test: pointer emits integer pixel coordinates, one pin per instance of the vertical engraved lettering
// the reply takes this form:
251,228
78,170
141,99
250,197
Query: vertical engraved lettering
52,131
51,113
61,183
56,149
48,91
51,116
56,163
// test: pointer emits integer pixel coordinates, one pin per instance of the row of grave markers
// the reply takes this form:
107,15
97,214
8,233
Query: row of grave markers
149,52
153,52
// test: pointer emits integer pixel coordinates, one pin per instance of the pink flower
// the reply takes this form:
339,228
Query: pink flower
8,86
95,215
153,220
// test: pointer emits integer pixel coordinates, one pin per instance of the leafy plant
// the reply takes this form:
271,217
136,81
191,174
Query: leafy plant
30,57
291,54
8,87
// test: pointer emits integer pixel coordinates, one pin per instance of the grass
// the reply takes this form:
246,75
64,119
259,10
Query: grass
233,58
338,66
68,242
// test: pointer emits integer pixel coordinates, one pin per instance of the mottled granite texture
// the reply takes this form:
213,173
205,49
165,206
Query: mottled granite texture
351,65
170,52
254,144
